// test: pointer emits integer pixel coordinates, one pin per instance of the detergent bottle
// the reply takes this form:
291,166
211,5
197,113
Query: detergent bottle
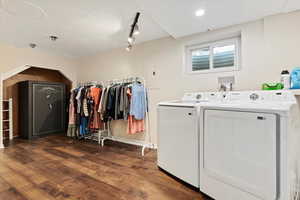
295,78
286,79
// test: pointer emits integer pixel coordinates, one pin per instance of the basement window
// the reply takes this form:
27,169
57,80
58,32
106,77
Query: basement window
220,56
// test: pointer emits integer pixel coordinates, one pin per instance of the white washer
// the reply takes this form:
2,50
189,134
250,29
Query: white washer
178,137
250,146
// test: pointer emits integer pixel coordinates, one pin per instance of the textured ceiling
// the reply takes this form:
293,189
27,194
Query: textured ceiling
83,27
178,17
87,27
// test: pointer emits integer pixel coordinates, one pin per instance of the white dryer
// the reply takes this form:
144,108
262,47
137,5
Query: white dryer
178,137
249,146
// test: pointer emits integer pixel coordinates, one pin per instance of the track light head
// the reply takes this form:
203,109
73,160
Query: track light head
136,30
129,48
131,40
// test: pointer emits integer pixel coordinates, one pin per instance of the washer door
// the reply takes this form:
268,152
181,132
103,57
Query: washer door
178,147
240,150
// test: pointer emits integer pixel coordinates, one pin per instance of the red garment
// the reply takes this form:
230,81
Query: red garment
134,126
96,95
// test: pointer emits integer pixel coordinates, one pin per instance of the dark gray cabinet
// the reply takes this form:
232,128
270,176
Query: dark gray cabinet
42,108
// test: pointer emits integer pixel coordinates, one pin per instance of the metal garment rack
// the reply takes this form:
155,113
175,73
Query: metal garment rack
92,136
147,139
9,120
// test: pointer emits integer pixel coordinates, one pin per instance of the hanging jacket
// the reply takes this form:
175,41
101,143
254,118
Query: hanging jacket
78,99
110,107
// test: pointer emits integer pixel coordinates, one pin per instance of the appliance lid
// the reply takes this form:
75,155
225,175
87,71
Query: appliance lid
180,103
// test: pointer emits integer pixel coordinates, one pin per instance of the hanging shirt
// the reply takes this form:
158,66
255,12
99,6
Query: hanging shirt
138,104
133,125
100,109
71,109
105,98
111,103
95,116
78,98
126,101
85,101
117,101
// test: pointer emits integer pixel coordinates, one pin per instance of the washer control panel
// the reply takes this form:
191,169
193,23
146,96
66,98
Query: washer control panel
254,96
198,96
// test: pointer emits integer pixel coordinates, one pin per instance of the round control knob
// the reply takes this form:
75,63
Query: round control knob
254,96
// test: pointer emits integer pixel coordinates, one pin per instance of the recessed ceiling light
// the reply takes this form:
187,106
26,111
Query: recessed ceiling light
200,12
32,45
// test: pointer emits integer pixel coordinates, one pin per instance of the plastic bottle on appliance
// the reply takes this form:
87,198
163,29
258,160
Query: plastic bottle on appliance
295,78
286,79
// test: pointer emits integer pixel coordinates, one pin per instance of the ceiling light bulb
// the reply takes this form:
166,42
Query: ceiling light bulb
136,30
200,12
129,48
131,40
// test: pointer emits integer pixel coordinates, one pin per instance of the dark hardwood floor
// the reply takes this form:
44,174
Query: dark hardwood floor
56,167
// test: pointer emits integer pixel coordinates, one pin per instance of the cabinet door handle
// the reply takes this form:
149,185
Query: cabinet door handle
261,118
190,114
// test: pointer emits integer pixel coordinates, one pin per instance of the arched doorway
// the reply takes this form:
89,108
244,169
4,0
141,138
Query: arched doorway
10,90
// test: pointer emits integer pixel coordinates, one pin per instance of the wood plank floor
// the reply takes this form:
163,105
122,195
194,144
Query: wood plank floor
56,167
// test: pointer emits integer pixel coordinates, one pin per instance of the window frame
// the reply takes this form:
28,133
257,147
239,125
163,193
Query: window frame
188,56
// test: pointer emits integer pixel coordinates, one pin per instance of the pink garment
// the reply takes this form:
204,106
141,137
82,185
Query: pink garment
135,126
71,113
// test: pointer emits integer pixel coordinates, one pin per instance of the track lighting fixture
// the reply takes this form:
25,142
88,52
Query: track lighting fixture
133,32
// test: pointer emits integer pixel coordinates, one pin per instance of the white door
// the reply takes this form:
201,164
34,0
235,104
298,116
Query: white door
240,150
178,142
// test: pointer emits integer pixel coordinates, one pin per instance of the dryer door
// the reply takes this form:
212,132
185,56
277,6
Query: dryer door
240,151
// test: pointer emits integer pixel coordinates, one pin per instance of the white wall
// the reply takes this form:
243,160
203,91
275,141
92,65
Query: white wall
12,58
268,46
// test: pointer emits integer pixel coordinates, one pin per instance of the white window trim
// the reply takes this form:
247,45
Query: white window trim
237,59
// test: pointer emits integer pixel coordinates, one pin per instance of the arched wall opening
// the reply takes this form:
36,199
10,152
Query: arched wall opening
11,90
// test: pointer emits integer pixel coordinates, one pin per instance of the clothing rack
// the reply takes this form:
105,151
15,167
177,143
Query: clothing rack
147,139
106,133
83,84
